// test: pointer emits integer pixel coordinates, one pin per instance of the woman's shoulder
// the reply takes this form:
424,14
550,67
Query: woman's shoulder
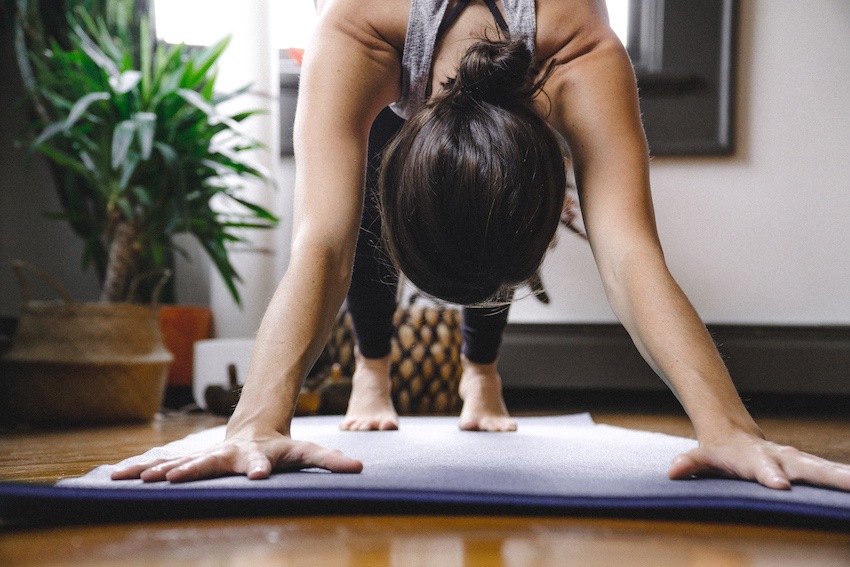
567,29
381,20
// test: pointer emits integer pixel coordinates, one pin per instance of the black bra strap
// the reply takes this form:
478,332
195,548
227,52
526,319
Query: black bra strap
497,15
453,15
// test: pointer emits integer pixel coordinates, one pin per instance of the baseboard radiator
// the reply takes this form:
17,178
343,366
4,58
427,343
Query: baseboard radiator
761,359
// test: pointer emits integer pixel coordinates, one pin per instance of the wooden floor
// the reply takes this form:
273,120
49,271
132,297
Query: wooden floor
447,541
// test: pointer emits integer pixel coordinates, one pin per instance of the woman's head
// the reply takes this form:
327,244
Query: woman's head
473,185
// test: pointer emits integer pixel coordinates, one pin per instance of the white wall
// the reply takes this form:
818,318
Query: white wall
760,237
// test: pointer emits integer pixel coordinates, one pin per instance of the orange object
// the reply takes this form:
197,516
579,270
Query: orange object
296,55
182,326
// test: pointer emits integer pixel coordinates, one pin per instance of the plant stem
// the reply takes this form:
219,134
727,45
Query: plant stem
122,261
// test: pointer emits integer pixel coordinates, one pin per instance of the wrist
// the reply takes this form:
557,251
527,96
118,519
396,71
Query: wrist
257,422
725,429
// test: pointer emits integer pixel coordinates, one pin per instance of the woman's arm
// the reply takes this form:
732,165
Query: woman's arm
595,106
349,74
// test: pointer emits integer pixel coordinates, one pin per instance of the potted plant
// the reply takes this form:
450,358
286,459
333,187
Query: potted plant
138,147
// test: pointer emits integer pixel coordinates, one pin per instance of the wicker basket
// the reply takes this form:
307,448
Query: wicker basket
426,366
83,362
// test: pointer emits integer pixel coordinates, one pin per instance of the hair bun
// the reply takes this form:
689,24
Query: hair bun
500,72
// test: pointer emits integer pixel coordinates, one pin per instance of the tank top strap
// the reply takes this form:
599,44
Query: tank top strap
451,16
428,21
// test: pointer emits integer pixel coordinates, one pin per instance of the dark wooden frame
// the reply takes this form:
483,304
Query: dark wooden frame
685,55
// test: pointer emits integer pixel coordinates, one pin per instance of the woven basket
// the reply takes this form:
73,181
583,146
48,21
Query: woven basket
74,363
426,366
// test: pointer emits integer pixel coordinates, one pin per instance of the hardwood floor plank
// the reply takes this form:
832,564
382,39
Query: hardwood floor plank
425,540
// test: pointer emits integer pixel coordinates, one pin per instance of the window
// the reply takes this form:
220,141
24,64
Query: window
204,22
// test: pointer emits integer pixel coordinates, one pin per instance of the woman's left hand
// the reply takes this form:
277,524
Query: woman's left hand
752,458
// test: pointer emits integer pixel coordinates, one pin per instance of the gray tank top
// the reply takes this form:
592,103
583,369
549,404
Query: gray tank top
417,58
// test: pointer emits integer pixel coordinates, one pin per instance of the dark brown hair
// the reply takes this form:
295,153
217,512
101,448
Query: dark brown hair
472,187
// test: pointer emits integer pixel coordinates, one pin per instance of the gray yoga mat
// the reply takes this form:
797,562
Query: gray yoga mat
561,465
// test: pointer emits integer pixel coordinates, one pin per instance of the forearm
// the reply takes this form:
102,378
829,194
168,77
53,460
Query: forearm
290,338
670,335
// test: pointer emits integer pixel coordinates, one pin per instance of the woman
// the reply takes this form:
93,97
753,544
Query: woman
364,56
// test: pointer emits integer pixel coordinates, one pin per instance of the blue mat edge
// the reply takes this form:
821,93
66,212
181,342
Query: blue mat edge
28,504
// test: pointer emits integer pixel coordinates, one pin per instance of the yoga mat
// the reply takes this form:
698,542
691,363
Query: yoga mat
564,465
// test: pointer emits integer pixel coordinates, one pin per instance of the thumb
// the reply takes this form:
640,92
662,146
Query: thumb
306,455
335,461
687,465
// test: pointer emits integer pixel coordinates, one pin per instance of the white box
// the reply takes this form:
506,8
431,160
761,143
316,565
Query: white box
212,358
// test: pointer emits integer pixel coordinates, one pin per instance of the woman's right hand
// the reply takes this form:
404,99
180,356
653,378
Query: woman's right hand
254,457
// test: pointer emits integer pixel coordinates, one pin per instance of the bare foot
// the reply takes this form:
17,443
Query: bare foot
483,406
370,407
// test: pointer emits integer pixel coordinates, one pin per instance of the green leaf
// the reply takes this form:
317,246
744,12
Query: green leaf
218,254
146,56
122,137
167,152
145,131
82,105
128,167
224,97
92,50
142,195
79,108
205,60
48,133
125,82
199,102
65,160
258,210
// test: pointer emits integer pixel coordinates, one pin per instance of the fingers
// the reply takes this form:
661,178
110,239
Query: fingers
301,455
182,469
128,472
705,462
255,460
771,475
803,467
770,465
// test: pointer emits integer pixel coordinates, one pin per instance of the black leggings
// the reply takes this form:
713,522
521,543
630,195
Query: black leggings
372,296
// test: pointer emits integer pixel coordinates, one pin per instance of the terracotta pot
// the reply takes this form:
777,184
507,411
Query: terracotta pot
182,326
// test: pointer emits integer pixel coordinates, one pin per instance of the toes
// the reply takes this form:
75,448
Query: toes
369,424
496,424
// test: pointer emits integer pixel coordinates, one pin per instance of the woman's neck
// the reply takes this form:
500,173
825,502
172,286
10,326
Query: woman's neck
475,22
